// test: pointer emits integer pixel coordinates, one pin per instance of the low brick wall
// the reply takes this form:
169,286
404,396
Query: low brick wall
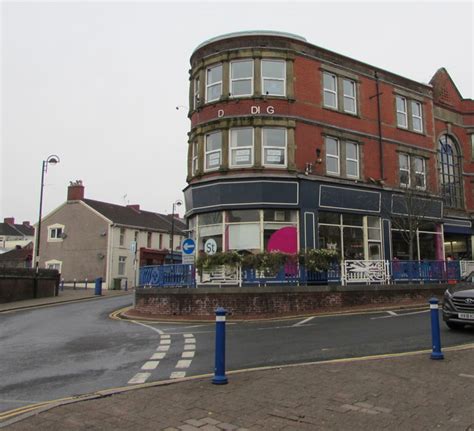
275,301
17,284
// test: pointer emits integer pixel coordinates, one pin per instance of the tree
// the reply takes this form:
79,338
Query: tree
410,211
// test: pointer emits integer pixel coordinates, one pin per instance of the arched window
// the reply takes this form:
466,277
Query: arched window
450,172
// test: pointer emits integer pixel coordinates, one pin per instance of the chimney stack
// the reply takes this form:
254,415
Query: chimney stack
9,220
75,191
134,207
26,223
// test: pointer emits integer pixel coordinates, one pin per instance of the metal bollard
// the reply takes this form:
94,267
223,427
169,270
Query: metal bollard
126,284
219,370
98,286
435,334
74,284
61,285
86,283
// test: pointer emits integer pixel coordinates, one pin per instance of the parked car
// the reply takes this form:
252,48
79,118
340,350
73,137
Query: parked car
458,307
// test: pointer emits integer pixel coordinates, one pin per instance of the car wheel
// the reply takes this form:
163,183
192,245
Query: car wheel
454,325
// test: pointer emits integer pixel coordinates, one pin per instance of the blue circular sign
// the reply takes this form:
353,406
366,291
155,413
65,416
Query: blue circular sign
189,246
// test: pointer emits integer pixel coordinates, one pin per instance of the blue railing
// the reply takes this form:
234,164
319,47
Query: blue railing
429,271
168,276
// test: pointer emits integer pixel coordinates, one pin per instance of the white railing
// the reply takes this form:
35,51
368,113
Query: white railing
365,271
222,275
467,266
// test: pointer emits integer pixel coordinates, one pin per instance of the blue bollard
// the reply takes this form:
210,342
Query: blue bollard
98,286
86,284
126,284
219,370
74,284
62,285
435,334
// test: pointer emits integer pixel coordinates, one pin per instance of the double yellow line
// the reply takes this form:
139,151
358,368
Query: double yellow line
25,409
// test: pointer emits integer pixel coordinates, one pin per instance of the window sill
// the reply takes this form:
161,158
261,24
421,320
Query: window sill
406,129
328,108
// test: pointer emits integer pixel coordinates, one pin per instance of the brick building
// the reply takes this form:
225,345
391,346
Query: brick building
293,146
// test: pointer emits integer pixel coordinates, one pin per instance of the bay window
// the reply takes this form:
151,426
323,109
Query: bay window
274,146
274,77
214,83
213,151
241,147
241,78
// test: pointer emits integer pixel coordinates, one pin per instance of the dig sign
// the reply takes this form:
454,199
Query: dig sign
210,246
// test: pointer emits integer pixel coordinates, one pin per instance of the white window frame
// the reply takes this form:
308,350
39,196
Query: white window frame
422,172
196,99
232,149
348,159
206,153
274,78
348,96
54,228
337,157
285,148
53,262
122,260
408,170
328,90
249,78
122,237
414,116
214,83
194,158
404,113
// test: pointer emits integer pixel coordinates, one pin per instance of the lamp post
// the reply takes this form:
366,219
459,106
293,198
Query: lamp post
51,160
178,203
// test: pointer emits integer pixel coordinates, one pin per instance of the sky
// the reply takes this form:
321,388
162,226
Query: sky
98,83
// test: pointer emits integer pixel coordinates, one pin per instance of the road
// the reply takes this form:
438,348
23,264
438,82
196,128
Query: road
73,349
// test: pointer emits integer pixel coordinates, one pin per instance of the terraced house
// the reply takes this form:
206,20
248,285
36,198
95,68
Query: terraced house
293,147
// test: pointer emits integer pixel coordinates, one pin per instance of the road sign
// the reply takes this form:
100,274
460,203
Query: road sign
188,246
210,246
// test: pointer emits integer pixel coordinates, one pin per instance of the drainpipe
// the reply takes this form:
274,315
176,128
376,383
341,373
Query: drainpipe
379,121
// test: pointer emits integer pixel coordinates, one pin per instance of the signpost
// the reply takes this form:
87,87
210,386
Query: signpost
188,246
210,246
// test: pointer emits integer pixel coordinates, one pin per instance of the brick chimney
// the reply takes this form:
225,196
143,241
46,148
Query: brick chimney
9,220
26,223
75,191
134,207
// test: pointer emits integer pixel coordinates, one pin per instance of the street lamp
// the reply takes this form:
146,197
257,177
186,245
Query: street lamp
178,203
51,160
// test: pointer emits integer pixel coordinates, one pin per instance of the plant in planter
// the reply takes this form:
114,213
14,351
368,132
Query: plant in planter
319,259
208,262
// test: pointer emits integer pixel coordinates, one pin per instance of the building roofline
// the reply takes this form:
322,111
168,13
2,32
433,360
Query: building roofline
250,33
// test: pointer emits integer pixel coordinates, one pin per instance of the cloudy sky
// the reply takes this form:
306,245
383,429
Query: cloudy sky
97,83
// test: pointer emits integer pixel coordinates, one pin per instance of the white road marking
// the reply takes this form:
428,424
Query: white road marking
188,335
139,378
190,341
392,313
304,321
184,363
150,365
163,348
165,342
149,327
399,315
188,355
156,356
178,374
165,337
470,376
190,347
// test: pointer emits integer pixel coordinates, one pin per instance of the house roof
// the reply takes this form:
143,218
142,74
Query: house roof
128,216
16,230
18,254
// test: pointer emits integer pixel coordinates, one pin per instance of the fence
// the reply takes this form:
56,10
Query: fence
168,276
349,272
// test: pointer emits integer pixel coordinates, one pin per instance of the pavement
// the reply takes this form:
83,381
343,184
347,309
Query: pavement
402,391
66,295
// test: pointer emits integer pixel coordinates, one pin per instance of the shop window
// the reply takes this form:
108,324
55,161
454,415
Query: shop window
450,172
213,151
241,78
210,218
243,216
274,77
274,146
243,236
241,147
214,83
330,238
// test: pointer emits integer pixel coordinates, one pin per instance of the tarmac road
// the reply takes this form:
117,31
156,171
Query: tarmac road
75,348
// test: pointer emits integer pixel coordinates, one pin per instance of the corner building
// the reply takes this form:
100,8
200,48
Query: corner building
295,147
